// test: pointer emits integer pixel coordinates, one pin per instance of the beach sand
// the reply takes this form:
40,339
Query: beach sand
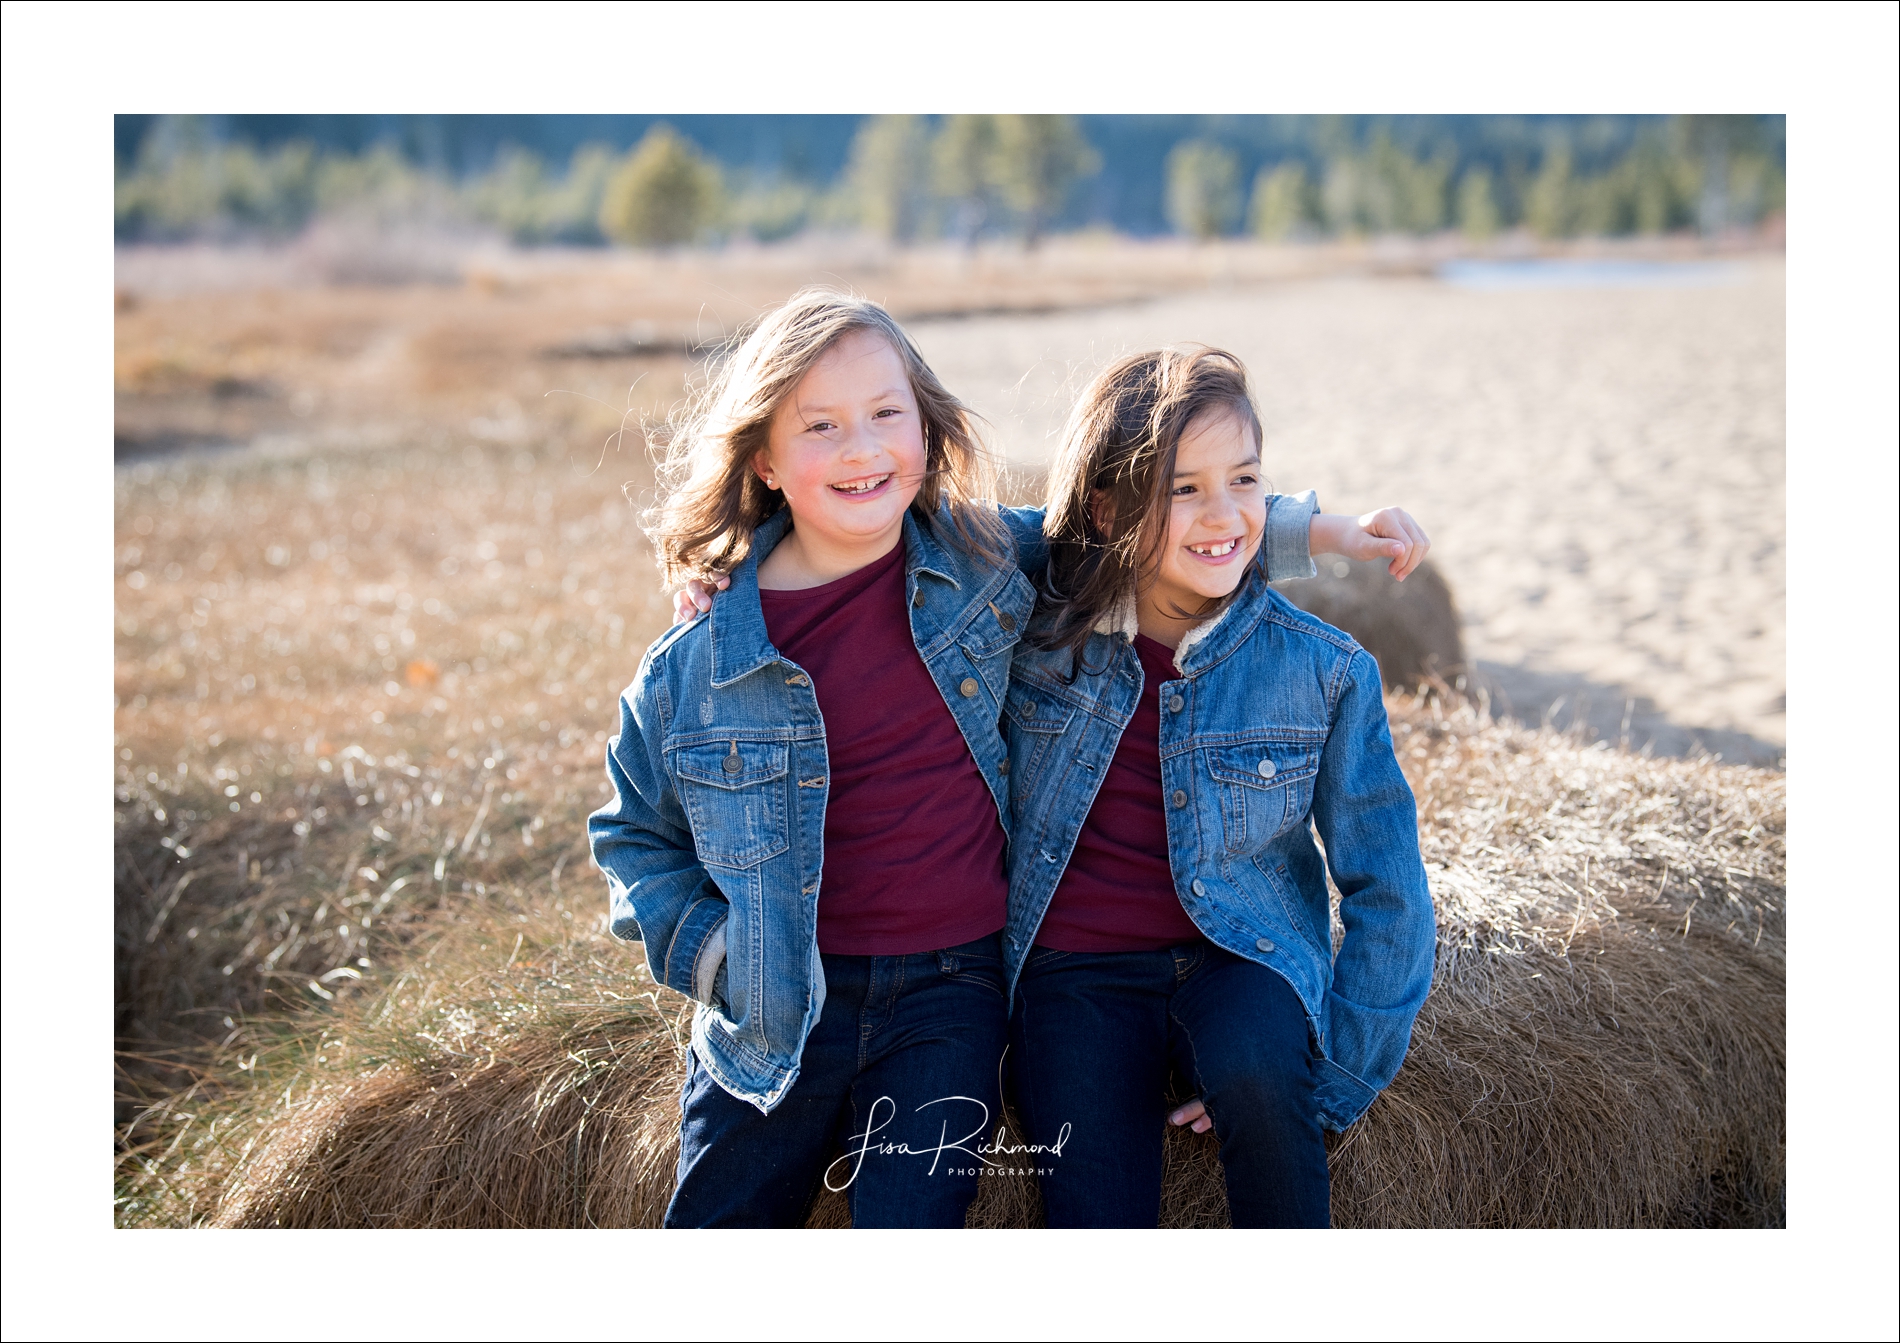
1601,470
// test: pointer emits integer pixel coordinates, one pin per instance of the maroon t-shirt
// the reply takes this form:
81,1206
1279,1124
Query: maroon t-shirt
1118,891
913,846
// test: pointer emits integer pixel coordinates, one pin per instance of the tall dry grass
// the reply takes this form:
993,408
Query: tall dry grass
353,692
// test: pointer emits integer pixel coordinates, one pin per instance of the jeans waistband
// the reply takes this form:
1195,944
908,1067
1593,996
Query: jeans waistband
992,945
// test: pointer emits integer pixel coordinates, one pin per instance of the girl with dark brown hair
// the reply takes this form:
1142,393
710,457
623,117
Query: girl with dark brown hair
1178,735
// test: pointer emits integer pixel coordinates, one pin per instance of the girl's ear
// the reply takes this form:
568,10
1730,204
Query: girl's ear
1101,511
762,465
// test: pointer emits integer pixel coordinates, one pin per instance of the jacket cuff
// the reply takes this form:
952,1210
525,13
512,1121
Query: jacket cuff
1289,539
708,965
704,920
1341,1097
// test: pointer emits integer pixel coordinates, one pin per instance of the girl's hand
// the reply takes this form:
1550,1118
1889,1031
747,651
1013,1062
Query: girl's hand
1385,534
696,597
1193,1113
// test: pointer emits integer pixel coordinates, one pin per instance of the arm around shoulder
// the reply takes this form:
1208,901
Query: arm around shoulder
1025,531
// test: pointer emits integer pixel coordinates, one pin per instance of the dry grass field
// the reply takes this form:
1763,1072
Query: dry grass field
378,584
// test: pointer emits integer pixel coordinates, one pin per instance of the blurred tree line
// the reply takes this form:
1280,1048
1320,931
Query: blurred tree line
967,177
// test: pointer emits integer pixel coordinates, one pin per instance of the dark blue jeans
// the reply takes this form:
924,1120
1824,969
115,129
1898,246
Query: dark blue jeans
1094,1039
902,1071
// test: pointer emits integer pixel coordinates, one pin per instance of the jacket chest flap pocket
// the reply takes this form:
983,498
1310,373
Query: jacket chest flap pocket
1265,787
1035,720
734,795
995,627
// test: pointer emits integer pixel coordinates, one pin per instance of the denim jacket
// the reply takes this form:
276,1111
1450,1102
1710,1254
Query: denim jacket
1274,728
713,844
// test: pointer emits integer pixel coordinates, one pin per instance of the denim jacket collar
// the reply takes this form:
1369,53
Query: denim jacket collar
1234,620
740,644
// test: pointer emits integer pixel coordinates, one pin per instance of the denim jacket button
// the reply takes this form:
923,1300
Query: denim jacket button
1267,770
968,688
1179,799
1198,888
1174,703
1003,769
1265,944
918,600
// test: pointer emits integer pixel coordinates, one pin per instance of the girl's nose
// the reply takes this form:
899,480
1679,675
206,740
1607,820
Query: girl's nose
1222,514
855,444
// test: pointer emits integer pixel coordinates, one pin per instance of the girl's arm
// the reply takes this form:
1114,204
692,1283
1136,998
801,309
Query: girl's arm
1296,531
1383,534
658,891
1368,821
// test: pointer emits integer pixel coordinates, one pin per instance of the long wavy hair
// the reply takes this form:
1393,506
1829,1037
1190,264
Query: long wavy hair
710,498
1111,480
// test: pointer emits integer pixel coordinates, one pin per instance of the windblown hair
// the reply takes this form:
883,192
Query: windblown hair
1110,482
710,497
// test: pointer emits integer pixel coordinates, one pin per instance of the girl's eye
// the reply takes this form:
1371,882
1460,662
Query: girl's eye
821,427
1182,490
1247,480
888,410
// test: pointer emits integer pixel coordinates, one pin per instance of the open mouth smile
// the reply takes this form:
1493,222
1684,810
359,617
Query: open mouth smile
1216,550
859,488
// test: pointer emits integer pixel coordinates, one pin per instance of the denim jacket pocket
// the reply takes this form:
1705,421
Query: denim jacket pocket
1264,787
1285,897
1040,713
1035,724
994,629
998,623
734,795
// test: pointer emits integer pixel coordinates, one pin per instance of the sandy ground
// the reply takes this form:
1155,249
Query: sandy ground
1601,470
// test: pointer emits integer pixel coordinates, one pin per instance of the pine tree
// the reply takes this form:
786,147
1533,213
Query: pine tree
1036,162
1477,206
664,194
887,176
1282,201
1203,189
963,161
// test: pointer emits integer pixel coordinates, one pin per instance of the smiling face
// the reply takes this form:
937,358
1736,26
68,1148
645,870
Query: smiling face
847,450
1217,513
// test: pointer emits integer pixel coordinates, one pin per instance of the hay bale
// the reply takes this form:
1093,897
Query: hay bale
1603,1044
1411,628
1635,1081
573,1123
